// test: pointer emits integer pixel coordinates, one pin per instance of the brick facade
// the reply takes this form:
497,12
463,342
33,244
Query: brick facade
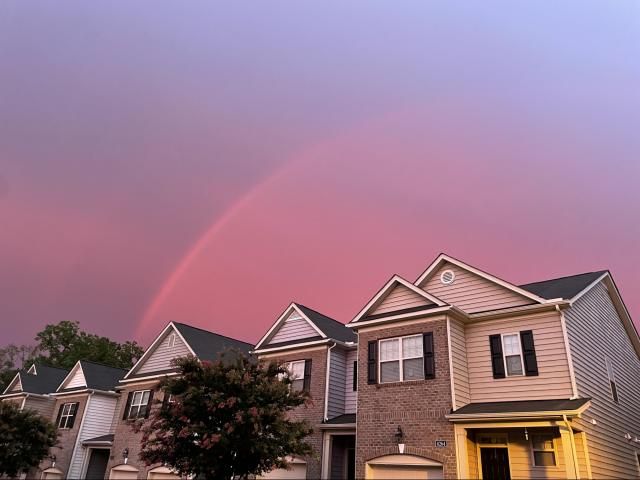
314,412
66,437
125,437
418,407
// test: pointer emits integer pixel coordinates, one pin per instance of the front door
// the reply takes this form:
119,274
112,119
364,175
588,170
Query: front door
495,463
98,459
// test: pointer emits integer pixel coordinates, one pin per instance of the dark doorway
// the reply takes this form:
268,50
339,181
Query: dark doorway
343,457
495,463
97,467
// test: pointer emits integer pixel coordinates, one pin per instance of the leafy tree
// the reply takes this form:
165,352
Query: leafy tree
63,344
228,419
13,357
25,439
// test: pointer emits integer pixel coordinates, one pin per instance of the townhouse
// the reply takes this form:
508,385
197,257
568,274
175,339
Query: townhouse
465,375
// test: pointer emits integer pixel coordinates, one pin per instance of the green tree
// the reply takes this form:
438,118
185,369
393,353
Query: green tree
25,439
63,344
227,419
13,357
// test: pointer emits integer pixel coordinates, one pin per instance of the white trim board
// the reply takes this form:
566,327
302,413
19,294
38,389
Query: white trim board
282,319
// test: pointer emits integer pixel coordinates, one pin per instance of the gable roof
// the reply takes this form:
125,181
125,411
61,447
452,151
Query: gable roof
45,381
563,287
96,375
388,287
444,258
207,345
326,327
201,343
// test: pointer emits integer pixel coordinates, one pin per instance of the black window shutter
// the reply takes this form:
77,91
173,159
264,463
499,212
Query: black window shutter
59,415
73,412
529,353
497,363
149,403
125,414
355,376
372,362
306,384
429,355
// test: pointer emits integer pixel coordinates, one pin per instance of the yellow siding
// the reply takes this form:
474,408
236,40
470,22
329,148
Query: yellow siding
400,298
459,363
472,293
553,381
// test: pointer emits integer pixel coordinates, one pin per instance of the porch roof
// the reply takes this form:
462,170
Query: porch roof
521,408
101,440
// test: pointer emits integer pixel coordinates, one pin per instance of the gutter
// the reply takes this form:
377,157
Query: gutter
326,382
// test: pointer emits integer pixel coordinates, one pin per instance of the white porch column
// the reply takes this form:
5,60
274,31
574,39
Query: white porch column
462,456
572,471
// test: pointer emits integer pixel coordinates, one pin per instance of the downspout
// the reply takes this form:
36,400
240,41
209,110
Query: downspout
574,453
567,347
326,383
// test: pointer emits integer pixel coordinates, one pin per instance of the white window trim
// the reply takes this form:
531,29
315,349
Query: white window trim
172,340
400,358
137,405
611,377
64,417
504,355
290,369
554,450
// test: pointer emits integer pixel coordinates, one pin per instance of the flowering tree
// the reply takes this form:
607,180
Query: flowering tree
225,419
25,439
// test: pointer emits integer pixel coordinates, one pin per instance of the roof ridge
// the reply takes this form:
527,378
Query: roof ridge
103,365
565,276
48,366
322,314
212,333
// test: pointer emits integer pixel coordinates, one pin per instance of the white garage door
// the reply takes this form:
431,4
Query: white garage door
123,472
297,471
162,473
403,467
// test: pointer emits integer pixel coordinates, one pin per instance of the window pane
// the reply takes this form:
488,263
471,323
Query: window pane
542,442
413,369
136,398
544,459
297,370
145,397
389,372
297,385
389,349
514,365
511,345
411,347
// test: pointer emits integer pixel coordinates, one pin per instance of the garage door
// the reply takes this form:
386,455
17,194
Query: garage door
297,471
52,474
403,467
123,472
162,473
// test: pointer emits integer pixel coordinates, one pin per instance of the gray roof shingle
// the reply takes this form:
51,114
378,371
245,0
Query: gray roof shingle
98,376
330,327
522,406
564,287
208,345
46,381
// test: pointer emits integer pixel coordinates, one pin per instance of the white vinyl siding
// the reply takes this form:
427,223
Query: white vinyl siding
459,363
337,379
553,380
160,359
595,331
294,328
400,298
471,292
351,396
17,386
77,379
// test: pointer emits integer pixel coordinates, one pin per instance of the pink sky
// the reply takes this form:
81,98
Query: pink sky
210,164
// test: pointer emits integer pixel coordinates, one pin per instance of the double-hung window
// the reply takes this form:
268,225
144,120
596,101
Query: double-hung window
401,359
544,454
612,380
296,374
139,402
67,415
512,350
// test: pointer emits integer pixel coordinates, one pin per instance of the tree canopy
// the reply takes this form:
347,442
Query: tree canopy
62,345
225,419
25,439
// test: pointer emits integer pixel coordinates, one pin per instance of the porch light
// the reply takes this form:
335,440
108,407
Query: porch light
125,455
399,435
53,460
526,434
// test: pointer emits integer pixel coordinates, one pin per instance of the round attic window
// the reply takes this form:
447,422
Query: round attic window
447,277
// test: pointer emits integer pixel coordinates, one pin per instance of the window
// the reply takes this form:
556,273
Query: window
544,454
401,359
139,402
296,374
612,379
67,415
512,354
172,340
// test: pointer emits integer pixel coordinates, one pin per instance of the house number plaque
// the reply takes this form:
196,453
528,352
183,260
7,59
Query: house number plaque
441,443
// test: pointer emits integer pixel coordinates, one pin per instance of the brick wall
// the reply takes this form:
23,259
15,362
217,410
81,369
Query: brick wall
418,407
125,437
314,412
66,437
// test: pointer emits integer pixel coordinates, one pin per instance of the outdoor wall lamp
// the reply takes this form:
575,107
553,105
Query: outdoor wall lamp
53,460
526,434
399,435
125,455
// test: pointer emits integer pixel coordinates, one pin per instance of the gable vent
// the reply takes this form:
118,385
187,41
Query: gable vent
447,277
